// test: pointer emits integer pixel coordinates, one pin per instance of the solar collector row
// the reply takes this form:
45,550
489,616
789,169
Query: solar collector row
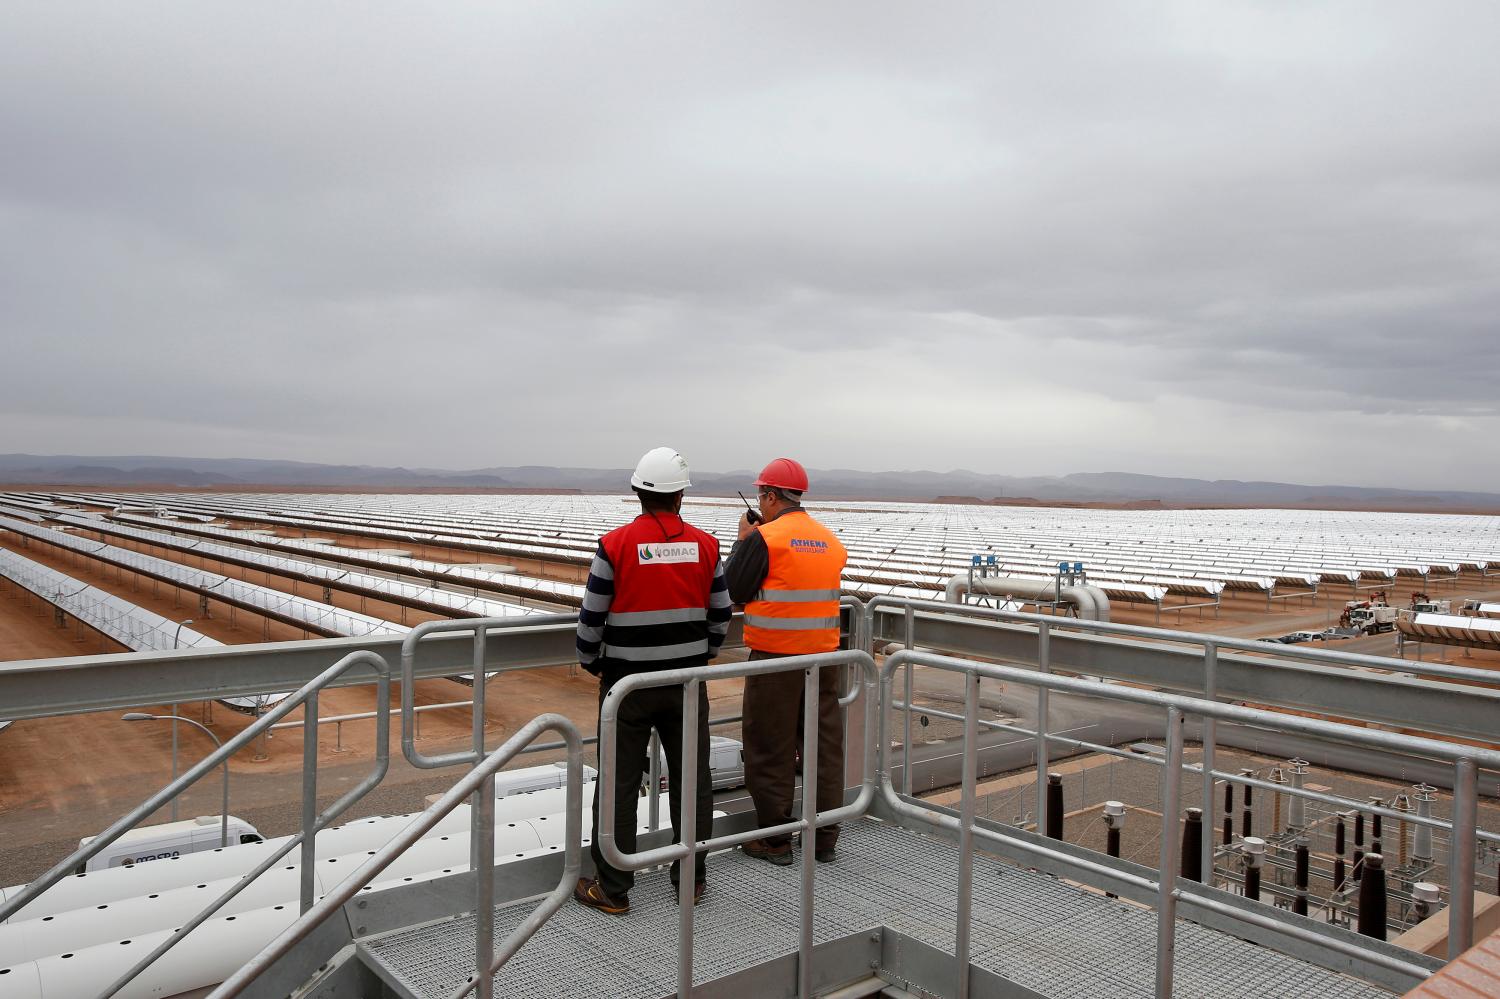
300,612
134,627
457,574
1141,552
428,598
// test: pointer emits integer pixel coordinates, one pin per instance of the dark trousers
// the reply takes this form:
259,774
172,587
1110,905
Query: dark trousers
772,727
657,708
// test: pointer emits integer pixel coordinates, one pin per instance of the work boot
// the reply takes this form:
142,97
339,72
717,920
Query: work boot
589,892
825,855
779,854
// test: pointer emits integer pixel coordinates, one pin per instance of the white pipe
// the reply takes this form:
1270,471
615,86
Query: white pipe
116,883
34,939
1091,602
209,955
221,945
98,887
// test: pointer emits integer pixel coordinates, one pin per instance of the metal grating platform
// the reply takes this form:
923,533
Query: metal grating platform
1030,928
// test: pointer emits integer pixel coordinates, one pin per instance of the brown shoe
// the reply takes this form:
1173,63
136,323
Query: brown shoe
699,888
588,892
779,854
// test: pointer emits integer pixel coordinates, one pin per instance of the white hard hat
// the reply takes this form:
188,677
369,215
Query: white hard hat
661,470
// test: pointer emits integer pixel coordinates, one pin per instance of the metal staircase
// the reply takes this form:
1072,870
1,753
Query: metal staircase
921,901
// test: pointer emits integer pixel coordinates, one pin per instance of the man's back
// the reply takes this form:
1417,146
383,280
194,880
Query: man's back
656,598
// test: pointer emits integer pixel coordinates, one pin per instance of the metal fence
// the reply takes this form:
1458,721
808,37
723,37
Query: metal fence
1464,759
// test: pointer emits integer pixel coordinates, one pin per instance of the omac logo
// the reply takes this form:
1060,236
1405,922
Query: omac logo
667,553
811,546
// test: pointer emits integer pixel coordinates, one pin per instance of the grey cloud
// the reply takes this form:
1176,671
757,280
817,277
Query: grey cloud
500,234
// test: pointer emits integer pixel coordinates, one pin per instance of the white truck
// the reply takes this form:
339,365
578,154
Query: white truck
1369,617
1421,603
726,763
548,775
169,840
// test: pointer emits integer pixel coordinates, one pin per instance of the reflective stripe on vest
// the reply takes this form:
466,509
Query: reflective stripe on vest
676,614
797,609
791,623
655,653
797,596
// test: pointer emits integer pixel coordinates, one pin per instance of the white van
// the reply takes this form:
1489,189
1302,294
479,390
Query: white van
169,839
550,775
726,763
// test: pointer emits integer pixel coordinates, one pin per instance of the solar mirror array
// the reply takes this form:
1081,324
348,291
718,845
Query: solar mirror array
903,549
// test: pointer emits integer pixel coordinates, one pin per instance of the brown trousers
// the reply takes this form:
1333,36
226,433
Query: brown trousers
772,728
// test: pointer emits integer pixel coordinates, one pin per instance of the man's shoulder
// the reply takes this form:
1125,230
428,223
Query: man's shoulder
612,541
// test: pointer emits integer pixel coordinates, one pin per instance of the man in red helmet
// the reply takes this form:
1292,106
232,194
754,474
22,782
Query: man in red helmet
786,569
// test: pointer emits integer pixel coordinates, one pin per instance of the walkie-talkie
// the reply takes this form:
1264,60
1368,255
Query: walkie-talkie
751,514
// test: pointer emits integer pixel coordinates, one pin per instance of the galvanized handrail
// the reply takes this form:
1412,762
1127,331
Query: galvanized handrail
858,639
1440,671
1466,760
478,781
312,820
1291,791
1210,644
480,627
684,851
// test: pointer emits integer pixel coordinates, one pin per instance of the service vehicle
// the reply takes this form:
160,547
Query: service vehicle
1369,617
548,775
726,763
168,840
1421,603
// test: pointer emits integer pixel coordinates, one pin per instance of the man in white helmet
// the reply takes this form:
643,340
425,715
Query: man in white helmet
656,600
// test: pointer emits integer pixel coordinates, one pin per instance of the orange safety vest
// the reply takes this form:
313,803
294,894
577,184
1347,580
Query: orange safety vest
796,611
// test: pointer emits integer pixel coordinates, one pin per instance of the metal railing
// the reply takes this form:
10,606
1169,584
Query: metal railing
480,783
1338,801
1465,759
338,720
480,628
689,844
1209,644
312,820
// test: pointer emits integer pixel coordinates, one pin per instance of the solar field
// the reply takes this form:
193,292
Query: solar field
903,549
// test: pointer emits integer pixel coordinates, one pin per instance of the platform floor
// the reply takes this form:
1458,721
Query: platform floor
1030,928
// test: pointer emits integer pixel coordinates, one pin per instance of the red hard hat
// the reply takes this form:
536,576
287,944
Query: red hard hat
784,473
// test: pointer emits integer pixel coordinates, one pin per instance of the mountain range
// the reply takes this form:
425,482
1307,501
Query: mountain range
1084,488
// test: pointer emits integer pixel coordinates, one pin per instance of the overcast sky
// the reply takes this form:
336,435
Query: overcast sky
1202,239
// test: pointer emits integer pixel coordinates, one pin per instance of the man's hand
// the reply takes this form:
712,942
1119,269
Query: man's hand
745,525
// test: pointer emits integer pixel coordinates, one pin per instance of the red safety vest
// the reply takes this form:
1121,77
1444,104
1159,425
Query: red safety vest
664,571
796,610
